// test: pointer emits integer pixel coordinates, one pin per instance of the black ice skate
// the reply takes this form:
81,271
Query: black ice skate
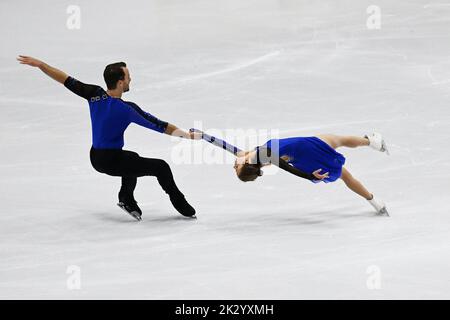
182,206
131,208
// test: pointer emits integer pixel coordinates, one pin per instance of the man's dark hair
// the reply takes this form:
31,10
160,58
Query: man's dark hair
249,172
113,73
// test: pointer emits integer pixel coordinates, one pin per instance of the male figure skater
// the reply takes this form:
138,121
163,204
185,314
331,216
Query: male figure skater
110,116
306,157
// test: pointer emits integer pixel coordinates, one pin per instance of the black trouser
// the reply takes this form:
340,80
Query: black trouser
129,165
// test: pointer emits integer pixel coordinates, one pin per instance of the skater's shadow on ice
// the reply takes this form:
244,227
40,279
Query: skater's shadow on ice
167,219
318,217
347,215
111,217
149,218
342,213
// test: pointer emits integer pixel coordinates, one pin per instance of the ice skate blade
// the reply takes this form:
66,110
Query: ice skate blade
134,214
383,212
384,148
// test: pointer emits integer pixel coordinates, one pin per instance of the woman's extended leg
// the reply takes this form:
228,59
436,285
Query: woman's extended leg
336,141
355,185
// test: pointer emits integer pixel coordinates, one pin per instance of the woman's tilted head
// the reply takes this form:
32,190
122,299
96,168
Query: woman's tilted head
246,171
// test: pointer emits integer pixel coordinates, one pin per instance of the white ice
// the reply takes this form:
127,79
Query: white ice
296,66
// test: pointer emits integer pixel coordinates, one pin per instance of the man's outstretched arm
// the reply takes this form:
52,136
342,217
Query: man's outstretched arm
147,120
173,130
79,88
52,72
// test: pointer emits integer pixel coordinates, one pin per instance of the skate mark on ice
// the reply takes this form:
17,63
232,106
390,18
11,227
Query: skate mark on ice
434,81
214,73
334,124
309,129
231,69
436,5
33,101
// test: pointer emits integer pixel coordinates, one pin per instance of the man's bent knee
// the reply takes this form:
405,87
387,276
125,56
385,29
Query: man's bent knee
161,168
163,165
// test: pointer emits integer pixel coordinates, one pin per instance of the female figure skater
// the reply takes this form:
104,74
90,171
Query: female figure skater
309,157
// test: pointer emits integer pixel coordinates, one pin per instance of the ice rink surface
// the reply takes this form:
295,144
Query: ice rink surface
299,67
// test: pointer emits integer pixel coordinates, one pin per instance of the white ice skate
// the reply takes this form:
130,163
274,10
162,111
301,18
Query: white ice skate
376,141
379,206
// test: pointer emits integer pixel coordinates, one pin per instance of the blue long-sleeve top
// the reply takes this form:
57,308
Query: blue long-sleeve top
110,116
